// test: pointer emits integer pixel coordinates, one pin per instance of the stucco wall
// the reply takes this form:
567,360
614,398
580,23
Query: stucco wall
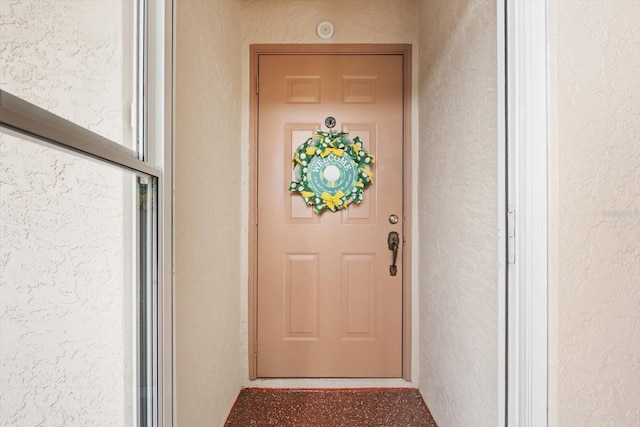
295,21
207,210
594,216
66,283
355,21
457,202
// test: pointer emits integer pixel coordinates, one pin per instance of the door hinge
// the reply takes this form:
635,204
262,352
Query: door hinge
257,85
511,236
255,217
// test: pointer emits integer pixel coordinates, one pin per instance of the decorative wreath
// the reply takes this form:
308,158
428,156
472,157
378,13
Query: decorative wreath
331,171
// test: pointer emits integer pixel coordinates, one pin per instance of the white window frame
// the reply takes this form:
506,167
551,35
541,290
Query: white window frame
501,109
159,108
36,124
527,238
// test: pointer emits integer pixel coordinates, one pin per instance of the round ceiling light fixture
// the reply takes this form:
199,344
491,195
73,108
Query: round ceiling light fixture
325,30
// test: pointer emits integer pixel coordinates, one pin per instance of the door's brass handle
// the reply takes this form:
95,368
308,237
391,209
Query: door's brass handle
393,241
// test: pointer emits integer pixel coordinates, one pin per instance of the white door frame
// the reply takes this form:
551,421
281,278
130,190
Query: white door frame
409,356
526,191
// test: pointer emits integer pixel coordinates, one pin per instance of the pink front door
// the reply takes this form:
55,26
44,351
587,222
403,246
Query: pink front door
327,304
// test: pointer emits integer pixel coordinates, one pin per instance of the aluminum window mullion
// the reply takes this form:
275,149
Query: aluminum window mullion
140,74
27,119
147,302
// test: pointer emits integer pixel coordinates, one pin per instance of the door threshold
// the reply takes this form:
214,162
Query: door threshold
303,383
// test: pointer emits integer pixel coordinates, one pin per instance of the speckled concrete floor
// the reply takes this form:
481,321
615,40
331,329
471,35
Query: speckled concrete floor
330,408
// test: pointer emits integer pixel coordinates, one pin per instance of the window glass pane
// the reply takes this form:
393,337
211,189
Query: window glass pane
74,317
74,58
